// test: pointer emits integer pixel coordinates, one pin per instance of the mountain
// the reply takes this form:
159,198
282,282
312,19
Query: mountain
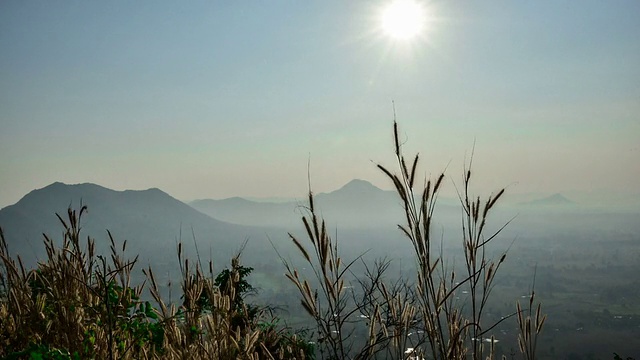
357,192
358,186
357,204
553,200
360,204
150,220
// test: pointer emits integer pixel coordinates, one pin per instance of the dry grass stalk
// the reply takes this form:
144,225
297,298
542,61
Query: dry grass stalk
428,307
530,327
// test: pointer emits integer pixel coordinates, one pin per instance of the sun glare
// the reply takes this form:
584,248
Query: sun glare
403,19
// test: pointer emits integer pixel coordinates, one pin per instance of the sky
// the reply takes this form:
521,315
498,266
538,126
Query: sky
213,99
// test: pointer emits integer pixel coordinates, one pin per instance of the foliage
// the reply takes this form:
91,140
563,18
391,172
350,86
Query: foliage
241,286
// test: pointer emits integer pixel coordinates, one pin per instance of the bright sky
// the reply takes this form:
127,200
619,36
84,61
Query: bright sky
211,99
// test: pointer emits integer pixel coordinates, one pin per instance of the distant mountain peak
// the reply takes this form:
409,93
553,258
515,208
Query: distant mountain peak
236,200
359,185
555,199
558,197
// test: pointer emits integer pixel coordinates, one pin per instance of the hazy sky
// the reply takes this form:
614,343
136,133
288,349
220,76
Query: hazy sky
210,99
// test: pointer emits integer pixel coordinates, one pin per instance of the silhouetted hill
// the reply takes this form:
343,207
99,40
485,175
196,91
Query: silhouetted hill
150,220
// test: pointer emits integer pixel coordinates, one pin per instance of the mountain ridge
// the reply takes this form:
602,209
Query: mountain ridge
151,220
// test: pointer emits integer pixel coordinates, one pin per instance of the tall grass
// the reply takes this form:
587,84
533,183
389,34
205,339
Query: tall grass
405,319
79,305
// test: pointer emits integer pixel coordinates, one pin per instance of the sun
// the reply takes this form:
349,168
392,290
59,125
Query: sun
403,19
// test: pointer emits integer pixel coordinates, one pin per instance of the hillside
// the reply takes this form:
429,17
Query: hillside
150,220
